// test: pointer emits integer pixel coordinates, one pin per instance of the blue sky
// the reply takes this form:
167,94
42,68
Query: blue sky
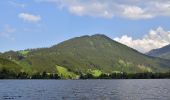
43,23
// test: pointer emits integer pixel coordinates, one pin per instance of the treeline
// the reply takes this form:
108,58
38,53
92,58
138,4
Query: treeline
146,75
6,74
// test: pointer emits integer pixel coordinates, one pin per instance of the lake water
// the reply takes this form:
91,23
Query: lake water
158,89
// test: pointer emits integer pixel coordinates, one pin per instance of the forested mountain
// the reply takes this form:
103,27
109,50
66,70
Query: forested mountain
86,54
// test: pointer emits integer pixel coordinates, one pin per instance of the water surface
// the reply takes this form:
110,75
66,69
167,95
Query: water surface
157,89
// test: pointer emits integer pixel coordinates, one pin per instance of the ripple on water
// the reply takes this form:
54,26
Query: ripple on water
85,90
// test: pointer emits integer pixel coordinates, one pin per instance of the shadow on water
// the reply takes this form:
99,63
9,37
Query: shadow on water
11,97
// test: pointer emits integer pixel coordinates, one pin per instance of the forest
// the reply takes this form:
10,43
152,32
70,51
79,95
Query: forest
6,74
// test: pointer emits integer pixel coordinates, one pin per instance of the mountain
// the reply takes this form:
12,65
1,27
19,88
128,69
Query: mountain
163,52
97,53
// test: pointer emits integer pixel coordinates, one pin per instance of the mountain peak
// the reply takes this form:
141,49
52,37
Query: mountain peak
95,35
99,34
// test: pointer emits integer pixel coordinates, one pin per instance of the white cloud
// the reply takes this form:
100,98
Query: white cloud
154,39
6,32
16,4
134,12
132,9
29,17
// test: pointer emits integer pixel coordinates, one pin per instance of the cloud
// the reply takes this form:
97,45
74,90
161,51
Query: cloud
6,32
29,17
134,12
154,39
16,4
131,9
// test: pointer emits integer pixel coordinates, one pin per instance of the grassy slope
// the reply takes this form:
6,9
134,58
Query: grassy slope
64,73
95,73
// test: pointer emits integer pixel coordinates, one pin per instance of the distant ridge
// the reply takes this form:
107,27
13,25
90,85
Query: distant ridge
163,52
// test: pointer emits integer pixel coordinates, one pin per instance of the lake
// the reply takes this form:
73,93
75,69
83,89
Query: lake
132,89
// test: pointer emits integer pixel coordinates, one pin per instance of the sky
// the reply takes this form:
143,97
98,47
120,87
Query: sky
140,24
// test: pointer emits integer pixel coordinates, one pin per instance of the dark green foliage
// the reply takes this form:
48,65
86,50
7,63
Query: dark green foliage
45,75
87,76
125,75
23,75
6,74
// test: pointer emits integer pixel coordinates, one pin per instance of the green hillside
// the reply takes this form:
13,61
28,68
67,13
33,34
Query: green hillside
94,54
163,52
